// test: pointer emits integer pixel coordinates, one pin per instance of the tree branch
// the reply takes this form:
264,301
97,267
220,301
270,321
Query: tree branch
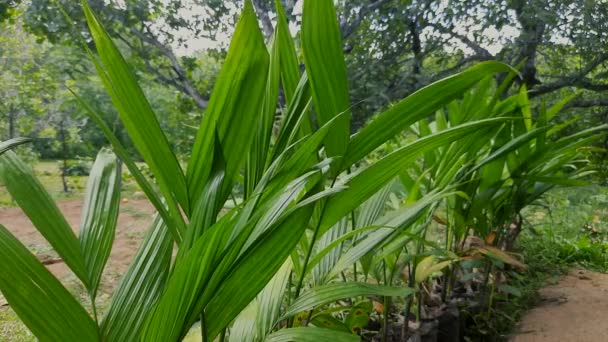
347,29
588,103
186,85
578,79
462,62
145,55
480,51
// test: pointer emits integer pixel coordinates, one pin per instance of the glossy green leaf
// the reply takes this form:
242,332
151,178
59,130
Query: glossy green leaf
326,294
234,107
311,335
290,67
365,183
337,242
388,226
419,105
368,213
524,102
258,319
324,265
306,151
38,205
295,122
188,278
264,259
245,328
260,145
511,146
137,114
140,287
559,105
210,277
206,209
12,143
177,224
99,215
322,47
506,83
38,298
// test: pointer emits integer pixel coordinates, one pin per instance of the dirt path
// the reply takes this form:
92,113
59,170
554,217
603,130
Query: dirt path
575,309
133,221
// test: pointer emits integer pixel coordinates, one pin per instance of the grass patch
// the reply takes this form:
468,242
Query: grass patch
12,329
48,173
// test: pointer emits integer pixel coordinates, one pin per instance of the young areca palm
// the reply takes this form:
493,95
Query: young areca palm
298,189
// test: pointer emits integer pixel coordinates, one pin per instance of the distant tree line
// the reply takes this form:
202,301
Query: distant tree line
392,49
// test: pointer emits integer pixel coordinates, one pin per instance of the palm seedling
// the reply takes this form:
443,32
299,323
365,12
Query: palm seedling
496,179
310,209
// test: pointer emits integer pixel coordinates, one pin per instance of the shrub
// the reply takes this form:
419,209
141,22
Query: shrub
309,215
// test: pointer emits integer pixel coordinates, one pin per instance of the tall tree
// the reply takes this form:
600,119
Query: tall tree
393,47
149,30
26,83
404,45
152,31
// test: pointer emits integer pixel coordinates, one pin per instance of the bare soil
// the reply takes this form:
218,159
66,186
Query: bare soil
133,221
574,309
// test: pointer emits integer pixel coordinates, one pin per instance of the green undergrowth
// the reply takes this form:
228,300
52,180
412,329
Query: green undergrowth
568,229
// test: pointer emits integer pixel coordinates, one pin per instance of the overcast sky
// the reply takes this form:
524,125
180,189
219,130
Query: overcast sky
201,43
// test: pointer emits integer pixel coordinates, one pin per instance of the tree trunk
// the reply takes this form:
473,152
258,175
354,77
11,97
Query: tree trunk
262,13
532,32
11,123
414,78
64,147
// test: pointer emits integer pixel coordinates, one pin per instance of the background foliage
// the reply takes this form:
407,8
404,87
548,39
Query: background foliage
392,48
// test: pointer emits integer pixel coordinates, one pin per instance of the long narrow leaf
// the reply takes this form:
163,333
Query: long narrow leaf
415,107
327,262
290,68
296,115
322,47
175,220
188,279
12,143
234,108
38,298
255,269
38,205
389,225
257,320
325,294
99,215
260,145
510,146
364,184
140,287
137,114
311,335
